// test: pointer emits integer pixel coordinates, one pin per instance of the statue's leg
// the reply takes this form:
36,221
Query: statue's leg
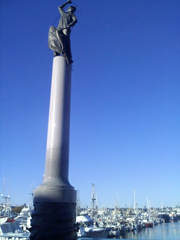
67,49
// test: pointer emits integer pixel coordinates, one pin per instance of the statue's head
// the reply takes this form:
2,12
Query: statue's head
71,9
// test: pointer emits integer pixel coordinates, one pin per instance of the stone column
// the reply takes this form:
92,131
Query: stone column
54,212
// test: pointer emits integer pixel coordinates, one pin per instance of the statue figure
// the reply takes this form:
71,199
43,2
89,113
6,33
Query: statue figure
59,39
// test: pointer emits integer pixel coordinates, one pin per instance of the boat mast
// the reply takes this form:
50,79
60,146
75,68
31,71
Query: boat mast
2,195
9,196
78,204
93,198
134,201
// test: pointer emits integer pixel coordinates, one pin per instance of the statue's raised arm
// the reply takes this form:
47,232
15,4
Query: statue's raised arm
63,5
59,39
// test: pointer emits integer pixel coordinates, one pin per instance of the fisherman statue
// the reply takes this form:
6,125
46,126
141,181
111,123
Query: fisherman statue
59,39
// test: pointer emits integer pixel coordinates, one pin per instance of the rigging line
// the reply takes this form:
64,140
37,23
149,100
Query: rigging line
28,200
78,11
50,52
74,4
56,19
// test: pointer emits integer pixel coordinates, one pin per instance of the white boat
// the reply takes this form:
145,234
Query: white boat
3,219
11,230
114,232
92,231
24,218
81,232
5,213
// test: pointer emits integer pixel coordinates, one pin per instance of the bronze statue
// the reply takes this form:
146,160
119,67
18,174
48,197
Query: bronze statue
59,39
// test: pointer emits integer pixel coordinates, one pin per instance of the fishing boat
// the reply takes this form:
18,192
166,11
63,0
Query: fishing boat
92,231
173,217
114,232
149,224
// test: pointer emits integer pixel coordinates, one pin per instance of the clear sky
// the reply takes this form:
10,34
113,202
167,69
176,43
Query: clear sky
125,102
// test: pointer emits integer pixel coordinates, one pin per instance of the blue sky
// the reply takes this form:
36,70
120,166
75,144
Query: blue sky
125,102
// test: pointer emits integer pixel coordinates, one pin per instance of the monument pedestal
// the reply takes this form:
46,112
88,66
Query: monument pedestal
54,212
53,221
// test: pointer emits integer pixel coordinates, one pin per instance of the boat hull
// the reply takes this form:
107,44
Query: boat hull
173,219
97,233
149,225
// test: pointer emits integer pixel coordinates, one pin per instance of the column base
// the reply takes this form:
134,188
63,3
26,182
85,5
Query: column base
56,193
53,221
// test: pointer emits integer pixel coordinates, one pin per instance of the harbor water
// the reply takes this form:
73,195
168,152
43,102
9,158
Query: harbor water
164,231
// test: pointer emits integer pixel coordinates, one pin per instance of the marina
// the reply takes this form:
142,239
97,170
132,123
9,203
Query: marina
96,223
168,231
126,224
